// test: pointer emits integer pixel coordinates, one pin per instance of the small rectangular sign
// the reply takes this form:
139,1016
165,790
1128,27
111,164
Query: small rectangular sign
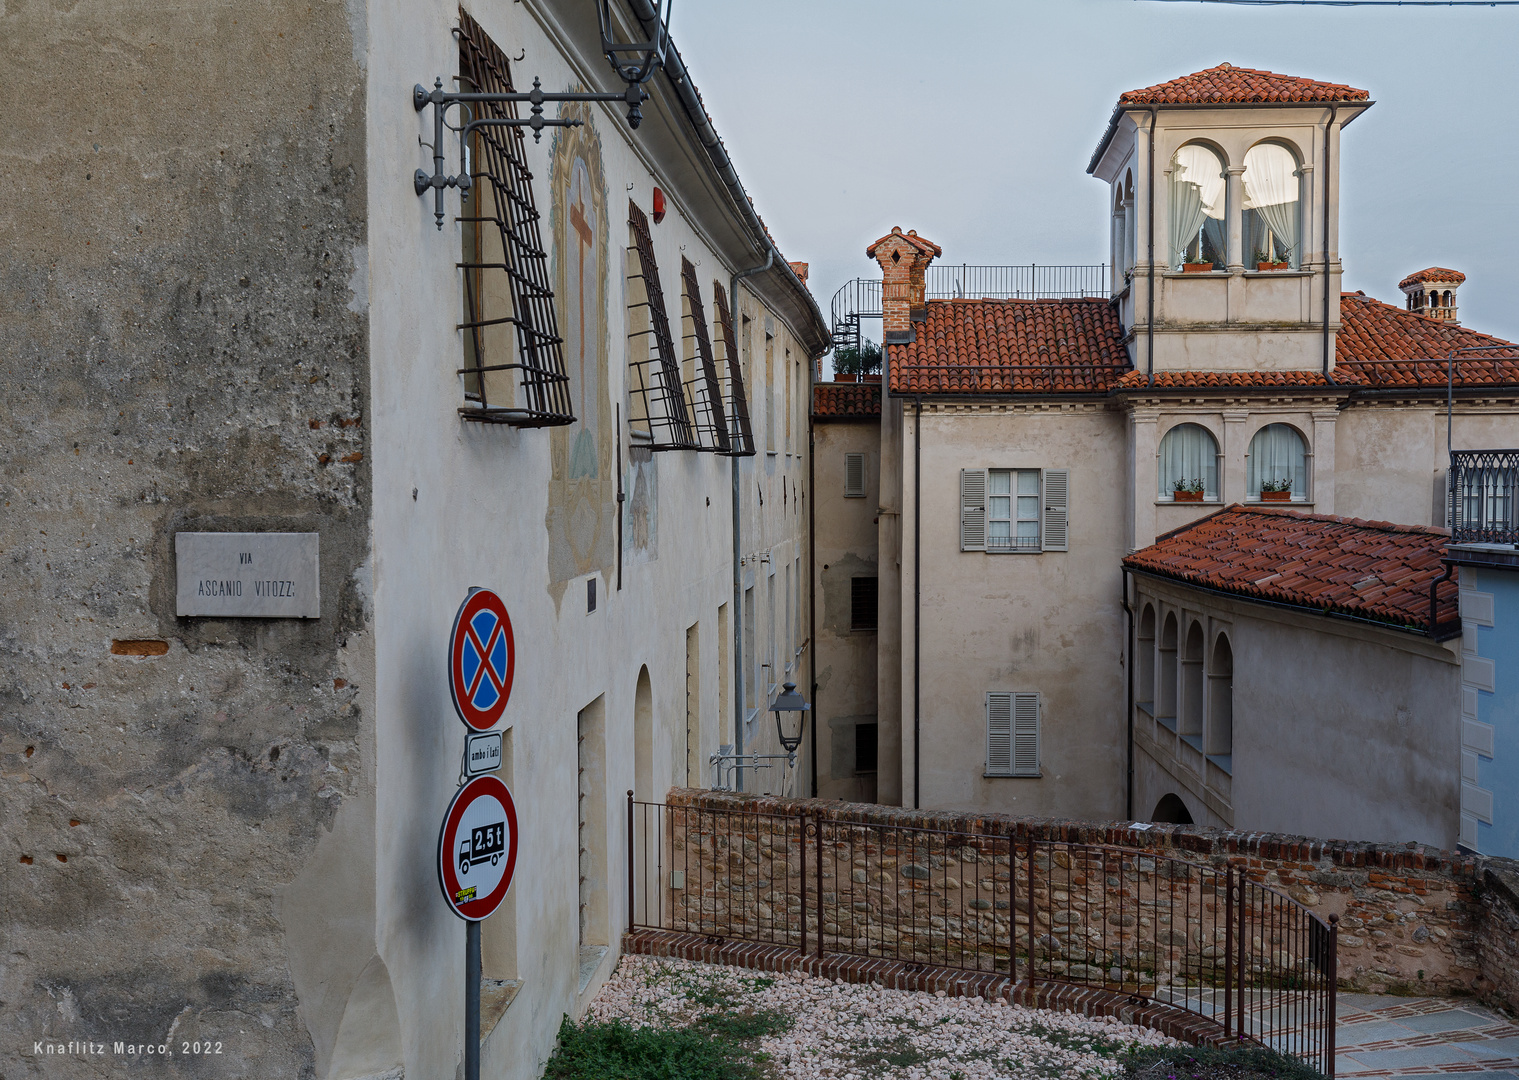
482,753
248,575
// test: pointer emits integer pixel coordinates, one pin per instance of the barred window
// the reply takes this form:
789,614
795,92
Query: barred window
508,304
740,436
657,406
704,396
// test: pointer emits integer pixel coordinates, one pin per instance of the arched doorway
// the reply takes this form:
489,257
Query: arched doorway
1171,811
643,738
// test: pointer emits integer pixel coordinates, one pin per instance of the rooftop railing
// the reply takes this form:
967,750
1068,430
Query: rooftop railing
1484,487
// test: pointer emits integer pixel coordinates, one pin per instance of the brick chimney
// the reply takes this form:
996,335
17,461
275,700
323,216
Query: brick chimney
904,259
800,270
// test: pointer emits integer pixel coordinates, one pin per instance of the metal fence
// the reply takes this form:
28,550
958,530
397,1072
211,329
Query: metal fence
1210,940
1484,485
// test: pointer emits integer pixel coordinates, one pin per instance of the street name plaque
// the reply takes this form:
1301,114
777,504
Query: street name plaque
248,575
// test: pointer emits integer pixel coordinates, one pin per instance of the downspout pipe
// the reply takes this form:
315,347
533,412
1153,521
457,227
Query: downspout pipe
1334,112
1434,587
1128,678
738,556
917,598
1150,257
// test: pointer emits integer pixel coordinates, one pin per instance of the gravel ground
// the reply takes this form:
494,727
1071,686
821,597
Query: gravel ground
847,1031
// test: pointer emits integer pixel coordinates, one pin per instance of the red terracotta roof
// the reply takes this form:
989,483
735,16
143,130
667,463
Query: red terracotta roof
846,400
911,236
1434,273
1184,379
1369,569
1380,345
1229,85
1012,346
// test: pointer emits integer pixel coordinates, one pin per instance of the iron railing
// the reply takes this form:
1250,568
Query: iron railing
861,298
1216,941
1484,488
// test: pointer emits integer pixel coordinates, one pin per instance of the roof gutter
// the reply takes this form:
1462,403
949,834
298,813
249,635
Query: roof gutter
680,79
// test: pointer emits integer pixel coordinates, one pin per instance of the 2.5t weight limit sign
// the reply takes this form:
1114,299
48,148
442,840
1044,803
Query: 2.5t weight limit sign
477,848
482,658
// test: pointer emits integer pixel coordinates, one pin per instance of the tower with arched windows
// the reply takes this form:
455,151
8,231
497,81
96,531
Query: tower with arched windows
1432,293
1225,194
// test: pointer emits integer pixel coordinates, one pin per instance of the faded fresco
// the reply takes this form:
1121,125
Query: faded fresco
583,490
640,534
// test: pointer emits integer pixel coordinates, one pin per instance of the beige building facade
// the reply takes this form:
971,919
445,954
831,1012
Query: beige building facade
226,829
1032,444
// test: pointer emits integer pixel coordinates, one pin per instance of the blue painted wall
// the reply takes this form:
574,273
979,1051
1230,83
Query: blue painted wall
1500,773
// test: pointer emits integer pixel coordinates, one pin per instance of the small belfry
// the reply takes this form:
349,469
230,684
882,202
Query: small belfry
1432,293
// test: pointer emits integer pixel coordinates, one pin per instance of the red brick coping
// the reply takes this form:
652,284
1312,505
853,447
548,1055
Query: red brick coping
895,975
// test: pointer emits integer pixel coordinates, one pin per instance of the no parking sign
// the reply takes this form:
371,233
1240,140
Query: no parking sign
482,658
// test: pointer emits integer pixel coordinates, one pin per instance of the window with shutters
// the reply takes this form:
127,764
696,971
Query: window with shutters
854,476
657,412
514,371
1012,734
735,400
864,593
1014,510
703,392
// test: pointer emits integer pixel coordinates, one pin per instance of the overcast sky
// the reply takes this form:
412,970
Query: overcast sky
973,121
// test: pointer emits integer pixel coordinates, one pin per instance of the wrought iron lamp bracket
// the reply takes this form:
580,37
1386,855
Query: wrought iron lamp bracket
441,100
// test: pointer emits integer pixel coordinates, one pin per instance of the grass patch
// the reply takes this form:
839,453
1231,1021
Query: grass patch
744,1026
1078,1041
1203,1063
615,1051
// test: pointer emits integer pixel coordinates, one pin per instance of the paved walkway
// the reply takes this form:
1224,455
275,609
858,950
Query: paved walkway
1379,1036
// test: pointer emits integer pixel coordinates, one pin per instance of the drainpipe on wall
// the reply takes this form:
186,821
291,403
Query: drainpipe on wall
1433,589
1334,111
1150,248
1128,678
738,556
917,593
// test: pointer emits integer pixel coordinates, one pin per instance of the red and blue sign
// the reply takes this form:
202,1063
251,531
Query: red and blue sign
482,658
477,848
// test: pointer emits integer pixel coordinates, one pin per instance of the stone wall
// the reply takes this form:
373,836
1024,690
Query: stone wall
1412,920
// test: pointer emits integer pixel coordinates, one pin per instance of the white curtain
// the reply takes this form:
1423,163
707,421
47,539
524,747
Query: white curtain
1188,452
1271,189
1277,453
1197,193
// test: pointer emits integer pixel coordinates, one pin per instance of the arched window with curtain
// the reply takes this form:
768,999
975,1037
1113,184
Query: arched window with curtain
1220,740
1196,207
1270,215
1277,462
1188,464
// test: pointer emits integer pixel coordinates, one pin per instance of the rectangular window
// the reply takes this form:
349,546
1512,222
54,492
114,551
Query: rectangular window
863,602
751,652
769,395
1014,510
1012,734
703,391
735,402
771,628
655,389
865,745
854,476
790,387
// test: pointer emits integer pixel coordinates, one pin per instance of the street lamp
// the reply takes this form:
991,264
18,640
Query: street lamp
790,708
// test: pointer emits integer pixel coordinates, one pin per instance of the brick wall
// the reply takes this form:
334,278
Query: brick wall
1412,919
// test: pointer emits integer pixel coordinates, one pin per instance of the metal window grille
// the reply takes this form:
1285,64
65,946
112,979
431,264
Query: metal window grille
704,393
503,257
1484,496
863,605
655,380
740,435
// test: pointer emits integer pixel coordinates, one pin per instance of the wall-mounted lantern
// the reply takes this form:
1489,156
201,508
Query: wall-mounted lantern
634,62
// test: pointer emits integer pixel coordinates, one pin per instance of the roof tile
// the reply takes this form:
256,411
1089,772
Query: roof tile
1370,569
1229,85
1386,346
1434,273
846,400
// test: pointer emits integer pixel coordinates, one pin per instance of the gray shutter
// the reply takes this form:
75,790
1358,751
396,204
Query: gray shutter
999,733
854,475
972,509
1025,734
1057,494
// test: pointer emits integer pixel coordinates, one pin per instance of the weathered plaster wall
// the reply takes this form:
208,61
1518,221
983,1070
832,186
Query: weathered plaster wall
183,327
1339,729
1049,622
846,548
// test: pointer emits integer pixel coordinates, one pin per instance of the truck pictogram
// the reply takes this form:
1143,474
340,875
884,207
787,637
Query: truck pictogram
486,843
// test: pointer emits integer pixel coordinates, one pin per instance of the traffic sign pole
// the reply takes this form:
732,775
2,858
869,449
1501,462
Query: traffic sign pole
472,1000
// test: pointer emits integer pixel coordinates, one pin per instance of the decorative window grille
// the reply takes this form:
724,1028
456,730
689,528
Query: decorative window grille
1012,734
1014,510
507,299
703,391
864,595
854,476
740,436
654,383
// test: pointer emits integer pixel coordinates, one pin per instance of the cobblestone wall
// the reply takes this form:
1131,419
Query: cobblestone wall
1412,919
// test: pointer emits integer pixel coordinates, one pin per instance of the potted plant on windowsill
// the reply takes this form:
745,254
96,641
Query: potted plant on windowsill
1263,261
1197,268
1187,491
1276,491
